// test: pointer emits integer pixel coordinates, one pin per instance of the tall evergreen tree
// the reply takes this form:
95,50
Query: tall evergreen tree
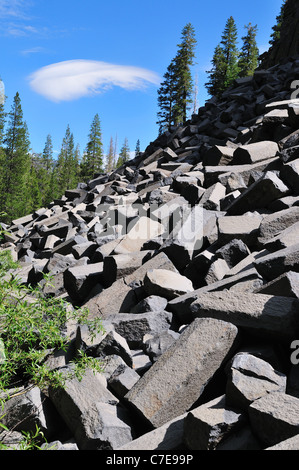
137,149
166,94
275,36
175,92
124,154
17,161
93,157
66,170
217,73
110,157
183,76
225,61
248,58
44,172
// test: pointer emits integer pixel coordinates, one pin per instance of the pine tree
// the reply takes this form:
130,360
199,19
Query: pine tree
16,163
67,169
225,61
248,58
137,149
275,36
175,92
44,170
93,156
217,73
183,76
110,157
124,154
166,95
34,199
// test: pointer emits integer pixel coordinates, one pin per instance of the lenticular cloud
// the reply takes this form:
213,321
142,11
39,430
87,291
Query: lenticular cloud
73,79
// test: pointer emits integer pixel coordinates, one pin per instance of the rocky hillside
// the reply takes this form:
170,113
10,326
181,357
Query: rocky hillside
190,255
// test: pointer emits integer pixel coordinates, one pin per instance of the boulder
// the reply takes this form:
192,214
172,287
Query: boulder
274,417
169,388
267,316
208,425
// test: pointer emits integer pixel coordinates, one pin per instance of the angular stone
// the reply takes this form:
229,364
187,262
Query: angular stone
133,326
168,389
275,264
153,303
104,426
113,343
286,285
217,271
262,315
285,239
122,380
80,280
208,425
166,283
288,444
156,345
254,153
145,229
233,252
121,296
189,235
273,224
212,197
167,437
241,227
218,155
290,176
274,417
117,266
259,195
250,378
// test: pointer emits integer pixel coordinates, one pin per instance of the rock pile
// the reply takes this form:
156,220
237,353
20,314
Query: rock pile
190,255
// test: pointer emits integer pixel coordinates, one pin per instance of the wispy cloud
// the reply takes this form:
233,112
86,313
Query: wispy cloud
33,50
14,9
73,79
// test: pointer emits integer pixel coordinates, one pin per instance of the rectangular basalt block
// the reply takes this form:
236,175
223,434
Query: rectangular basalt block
178,378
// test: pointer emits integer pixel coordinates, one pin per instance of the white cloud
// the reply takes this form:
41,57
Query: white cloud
13,8
73,79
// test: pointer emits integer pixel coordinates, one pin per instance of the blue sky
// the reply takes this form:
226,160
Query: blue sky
71,59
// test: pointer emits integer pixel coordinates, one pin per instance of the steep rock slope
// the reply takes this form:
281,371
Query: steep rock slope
190,255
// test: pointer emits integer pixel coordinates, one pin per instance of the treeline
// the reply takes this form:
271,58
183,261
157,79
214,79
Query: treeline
178,92
29,181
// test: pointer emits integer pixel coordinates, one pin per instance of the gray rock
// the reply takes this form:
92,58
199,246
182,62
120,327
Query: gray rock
250,378
166,283
274,417
259,194
273,265
133,326
122,380
263,315
152,303
254,153
286,285
169,388
166,437
208,425
156,345
80,280
288,444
